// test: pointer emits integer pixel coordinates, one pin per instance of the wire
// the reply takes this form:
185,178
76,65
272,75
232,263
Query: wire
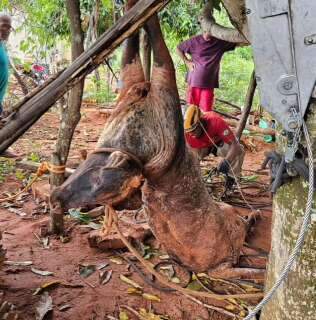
300,240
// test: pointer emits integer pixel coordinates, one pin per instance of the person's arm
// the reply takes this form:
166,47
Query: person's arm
227,136
186,60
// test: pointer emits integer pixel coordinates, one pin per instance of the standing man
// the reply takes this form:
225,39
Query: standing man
209,133
5,29
202,54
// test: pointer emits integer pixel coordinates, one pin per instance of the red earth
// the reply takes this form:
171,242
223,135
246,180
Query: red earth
75,297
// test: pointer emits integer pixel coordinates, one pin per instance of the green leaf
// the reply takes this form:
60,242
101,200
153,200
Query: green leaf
86,270
123,315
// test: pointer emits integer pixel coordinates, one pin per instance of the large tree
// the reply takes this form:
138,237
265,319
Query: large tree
71,114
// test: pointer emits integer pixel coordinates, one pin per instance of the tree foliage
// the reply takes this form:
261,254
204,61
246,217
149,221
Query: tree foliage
46,23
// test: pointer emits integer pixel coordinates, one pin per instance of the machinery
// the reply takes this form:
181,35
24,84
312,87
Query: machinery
283,38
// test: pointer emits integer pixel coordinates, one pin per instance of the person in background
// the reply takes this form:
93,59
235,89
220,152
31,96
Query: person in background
5,29
209,133
202,54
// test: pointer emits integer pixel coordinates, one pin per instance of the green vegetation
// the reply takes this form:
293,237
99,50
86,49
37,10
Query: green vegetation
46,25
35,157
7,166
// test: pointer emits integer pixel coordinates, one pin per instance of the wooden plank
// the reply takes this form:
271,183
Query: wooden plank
37,105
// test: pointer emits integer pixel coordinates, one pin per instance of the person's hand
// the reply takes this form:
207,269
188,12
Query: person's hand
191,65
224,167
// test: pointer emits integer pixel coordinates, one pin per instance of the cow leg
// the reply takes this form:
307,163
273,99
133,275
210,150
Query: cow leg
227,271
131,67
163,73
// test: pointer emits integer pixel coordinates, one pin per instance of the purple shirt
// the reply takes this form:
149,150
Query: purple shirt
206,55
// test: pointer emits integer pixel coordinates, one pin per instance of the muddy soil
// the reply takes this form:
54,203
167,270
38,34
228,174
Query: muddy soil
75,297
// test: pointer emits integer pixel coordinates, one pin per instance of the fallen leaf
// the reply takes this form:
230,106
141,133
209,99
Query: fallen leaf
233,301
105,277
164,257
167,270
64,307
150,316
175,280
64,239
242,314
18,263
230,307
42,272
194,285
94,226
130,282
123,315
44,307
202,275
151,297
96,212
102,265
135,291
45,286
86,270
18,212
116,260
76,214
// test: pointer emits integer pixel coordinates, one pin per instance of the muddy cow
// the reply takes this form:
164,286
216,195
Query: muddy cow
143,145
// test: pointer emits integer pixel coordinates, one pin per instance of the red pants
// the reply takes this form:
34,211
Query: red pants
201,97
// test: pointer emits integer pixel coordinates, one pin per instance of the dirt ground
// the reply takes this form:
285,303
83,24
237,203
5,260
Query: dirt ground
75,297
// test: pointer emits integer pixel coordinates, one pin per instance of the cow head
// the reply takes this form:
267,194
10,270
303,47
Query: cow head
139,141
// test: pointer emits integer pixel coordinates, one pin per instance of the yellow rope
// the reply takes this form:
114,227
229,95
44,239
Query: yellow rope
42,169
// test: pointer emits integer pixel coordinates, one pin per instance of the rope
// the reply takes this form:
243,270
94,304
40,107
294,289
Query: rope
112,216
300,240
42,169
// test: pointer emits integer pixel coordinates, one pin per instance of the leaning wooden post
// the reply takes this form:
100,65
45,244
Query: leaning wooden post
36,106
56,225
248,104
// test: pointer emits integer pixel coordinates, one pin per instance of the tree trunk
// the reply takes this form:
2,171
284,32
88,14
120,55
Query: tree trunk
210,26
248,104
296,299
70,115
237,12
56,224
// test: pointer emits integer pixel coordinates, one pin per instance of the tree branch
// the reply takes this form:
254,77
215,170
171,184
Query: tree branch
210,26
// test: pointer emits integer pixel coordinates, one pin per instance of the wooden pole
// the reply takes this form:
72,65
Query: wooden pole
36,106
248,104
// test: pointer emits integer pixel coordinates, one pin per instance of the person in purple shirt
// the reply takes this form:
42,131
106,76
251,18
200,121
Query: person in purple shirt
202,54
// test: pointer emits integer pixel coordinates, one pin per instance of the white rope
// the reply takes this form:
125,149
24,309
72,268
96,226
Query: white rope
300,240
